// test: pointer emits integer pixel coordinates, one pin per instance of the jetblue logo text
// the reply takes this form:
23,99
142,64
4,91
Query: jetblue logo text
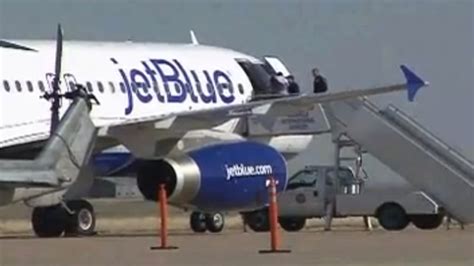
240,170
169,81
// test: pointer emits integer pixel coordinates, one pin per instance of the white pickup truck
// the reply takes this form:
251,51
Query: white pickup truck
309,190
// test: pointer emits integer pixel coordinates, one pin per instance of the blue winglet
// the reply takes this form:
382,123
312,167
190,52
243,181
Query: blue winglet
414,83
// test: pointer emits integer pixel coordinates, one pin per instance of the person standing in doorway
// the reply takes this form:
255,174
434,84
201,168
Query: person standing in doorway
293,88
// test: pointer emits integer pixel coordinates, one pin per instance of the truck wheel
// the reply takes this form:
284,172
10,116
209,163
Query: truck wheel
292,224
427,221
392,217
258,220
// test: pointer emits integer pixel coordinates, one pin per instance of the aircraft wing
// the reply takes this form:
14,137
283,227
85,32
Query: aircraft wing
282,106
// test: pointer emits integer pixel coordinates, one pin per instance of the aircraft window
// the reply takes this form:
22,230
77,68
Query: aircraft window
305,178
18,86
209,87
139,85
41,86
100,86
6,85
155,87
198,87
112,87
133,86
29,85
122,87
89,86
241,88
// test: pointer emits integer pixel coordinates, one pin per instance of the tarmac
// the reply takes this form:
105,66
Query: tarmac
233,247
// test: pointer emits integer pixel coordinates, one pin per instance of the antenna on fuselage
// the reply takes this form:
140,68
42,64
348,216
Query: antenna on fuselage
194,40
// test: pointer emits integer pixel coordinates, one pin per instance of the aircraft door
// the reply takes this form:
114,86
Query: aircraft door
277,65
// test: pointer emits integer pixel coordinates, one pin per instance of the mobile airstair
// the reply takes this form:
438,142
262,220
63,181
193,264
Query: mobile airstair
410,150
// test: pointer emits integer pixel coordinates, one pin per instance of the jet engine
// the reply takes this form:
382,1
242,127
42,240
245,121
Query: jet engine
224,176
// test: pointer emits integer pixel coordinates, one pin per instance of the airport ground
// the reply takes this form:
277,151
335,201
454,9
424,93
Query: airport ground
126,230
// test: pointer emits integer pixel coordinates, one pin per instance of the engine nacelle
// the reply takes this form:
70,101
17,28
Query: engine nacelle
225,176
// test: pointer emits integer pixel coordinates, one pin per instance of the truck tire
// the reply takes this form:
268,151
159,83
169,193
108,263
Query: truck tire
292,224
392,217
258,220
427,221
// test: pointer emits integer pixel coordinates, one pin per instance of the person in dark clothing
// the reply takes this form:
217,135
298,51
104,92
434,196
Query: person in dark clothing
293,87
319,83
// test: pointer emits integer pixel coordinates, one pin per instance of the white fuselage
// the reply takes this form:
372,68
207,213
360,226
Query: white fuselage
130,80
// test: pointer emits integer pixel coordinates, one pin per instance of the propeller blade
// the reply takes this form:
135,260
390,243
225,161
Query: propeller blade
59,55
55,94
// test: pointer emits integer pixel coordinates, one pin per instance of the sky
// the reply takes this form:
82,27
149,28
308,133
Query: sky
356,44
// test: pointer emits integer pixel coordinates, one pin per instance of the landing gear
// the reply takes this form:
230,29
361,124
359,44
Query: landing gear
82,221
52,221
49,221
200,222
215,222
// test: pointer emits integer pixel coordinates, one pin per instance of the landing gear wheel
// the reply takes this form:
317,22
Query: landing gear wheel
215,222
392,217
197,221
292,224
48,221
427,222
82,222
258,220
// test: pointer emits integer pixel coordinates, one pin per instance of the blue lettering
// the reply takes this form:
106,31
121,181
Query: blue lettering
224,84
178,83
152,74
210,88
189,87
171,78
141,85
129,108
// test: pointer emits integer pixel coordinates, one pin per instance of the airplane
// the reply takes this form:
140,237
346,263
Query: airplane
182,110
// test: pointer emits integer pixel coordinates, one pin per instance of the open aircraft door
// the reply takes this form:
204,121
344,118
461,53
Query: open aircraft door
311,120
277,65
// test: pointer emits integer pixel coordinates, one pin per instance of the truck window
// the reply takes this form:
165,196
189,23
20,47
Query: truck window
347,182
306,178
